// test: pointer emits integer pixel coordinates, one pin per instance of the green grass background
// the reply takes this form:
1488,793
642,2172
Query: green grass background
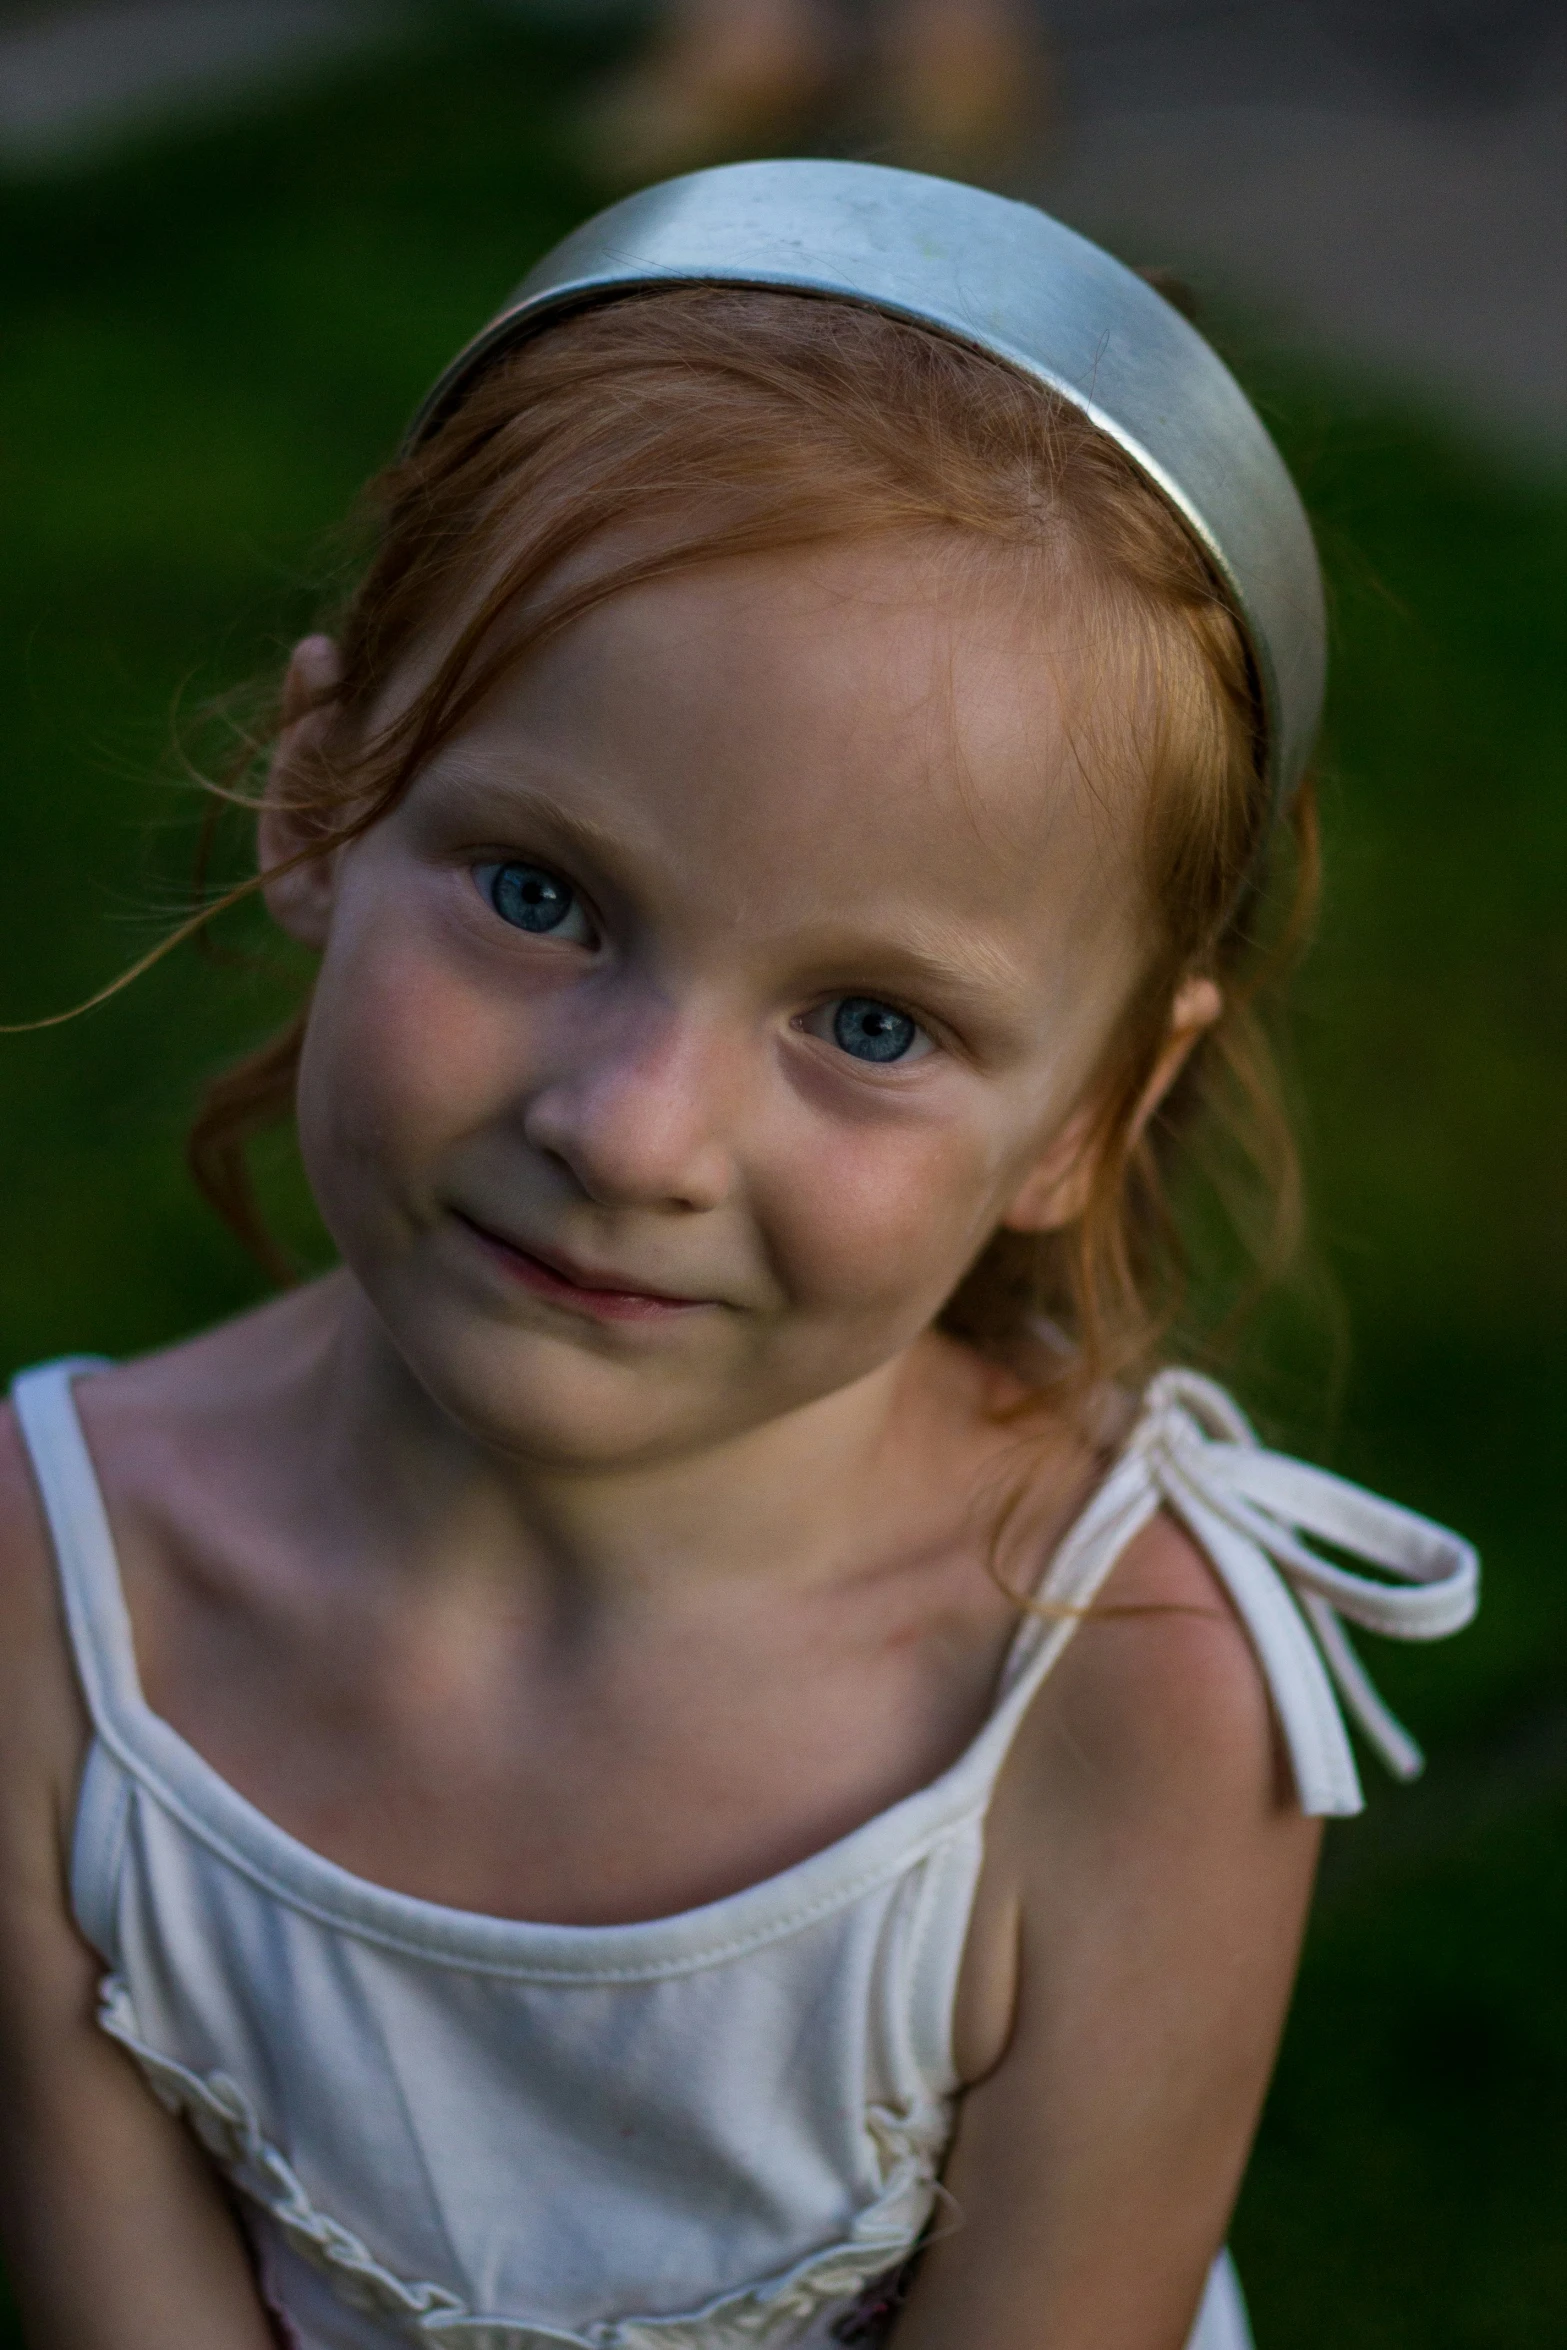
205,346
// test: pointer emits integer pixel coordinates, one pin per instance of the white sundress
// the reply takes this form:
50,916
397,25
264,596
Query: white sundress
715,2131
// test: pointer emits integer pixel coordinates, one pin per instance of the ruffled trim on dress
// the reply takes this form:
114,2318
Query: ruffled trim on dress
762,2316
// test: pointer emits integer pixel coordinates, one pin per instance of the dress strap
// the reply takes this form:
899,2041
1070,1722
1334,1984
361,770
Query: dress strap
1250,1510
85,1560
1193,1451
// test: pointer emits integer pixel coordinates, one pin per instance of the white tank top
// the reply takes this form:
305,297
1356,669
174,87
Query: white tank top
716,2131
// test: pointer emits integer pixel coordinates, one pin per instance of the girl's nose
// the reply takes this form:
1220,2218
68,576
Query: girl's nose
639,1113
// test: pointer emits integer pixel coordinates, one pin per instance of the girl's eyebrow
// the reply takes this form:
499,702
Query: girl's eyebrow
479,797
956,957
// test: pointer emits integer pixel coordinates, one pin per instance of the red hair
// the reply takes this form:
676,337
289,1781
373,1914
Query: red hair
717,422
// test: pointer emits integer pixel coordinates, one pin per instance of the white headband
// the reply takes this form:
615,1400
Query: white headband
1009,280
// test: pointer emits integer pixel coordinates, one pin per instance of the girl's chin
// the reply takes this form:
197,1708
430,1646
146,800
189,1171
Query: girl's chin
564,1399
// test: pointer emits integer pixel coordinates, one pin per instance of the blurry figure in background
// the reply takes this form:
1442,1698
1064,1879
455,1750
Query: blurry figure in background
945,85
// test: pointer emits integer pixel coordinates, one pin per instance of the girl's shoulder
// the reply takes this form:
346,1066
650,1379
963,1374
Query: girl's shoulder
170,1431
139,1421
1160,1685
1147,1778
1160,1690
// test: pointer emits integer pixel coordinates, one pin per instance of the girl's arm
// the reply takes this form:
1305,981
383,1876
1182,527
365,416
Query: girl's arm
116,2234
1146,1881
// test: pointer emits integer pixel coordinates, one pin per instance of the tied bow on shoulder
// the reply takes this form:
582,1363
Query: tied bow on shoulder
1248,1507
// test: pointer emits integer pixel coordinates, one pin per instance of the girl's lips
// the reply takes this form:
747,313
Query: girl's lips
578,1294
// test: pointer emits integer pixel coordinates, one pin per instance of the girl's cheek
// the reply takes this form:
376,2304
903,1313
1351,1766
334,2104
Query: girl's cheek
889,1219
400,1060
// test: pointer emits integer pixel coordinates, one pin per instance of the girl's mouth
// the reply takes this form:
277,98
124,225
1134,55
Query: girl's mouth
602,1296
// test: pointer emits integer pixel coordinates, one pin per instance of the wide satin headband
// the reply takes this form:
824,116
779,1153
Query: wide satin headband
1009,280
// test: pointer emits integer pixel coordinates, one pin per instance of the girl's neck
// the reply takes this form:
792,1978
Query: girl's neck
806,1497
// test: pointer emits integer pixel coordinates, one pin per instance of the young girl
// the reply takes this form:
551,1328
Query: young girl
690,1751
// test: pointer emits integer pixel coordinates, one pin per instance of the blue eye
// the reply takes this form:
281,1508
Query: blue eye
532,898
873,1031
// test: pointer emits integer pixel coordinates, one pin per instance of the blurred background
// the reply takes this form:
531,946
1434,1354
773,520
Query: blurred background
240,237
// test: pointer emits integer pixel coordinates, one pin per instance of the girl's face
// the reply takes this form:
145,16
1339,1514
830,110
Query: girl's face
706,1004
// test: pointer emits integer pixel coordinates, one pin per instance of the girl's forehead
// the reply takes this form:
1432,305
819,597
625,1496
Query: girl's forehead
877,727
892,677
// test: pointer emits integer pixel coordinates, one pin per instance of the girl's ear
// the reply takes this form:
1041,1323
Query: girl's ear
1056,1190
299,899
